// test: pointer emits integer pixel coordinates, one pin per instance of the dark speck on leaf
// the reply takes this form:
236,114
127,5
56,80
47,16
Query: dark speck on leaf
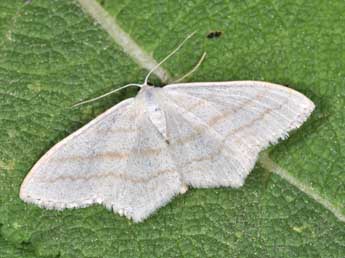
214,34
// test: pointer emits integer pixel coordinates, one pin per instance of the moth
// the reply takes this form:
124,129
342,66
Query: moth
139,154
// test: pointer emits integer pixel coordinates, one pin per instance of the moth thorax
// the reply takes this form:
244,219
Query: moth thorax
156,113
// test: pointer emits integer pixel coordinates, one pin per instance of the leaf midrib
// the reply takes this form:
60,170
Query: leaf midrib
146,61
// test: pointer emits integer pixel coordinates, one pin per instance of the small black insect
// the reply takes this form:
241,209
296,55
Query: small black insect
214,34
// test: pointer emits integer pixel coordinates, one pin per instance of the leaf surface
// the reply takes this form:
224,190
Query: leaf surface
53,55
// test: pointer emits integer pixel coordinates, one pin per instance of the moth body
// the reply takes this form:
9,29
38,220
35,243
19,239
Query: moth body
156,114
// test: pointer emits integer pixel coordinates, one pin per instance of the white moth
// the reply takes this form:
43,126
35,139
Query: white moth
139,154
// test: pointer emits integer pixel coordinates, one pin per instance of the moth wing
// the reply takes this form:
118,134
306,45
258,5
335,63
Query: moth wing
222,126
118,160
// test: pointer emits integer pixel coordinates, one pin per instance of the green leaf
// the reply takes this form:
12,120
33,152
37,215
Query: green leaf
53,55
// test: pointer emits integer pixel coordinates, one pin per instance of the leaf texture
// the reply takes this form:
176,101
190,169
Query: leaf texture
53,55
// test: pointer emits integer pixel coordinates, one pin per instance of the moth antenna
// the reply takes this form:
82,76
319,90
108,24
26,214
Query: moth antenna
202,58
168,56
149,73
106,94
